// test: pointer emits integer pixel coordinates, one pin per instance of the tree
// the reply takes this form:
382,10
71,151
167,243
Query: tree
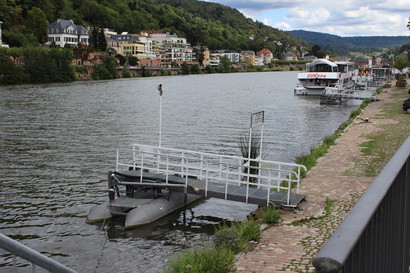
185,69
121,59
401,62
110,63
195,69
102,42
82,52
94,37
133,61
224,65
62,58
36,23
9,72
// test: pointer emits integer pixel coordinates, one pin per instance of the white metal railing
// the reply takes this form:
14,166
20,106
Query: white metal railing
212,168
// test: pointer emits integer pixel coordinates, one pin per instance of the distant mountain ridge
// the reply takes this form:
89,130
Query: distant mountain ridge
328,40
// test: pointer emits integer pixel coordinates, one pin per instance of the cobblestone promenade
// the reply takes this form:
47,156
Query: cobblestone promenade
291,245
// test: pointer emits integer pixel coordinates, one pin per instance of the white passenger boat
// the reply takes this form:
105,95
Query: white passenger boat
323,73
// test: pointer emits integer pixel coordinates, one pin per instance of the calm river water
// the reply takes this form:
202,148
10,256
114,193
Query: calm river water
58,141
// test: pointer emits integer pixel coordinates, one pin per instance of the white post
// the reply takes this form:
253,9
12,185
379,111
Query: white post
160,113
260,149
249,156
260,158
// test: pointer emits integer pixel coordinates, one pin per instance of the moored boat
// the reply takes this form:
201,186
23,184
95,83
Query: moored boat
323,73
139,203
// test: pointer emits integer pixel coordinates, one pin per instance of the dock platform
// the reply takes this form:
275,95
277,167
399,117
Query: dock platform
235,191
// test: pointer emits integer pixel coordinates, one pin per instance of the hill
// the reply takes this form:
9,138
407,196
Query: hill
323,39
202,23
342,45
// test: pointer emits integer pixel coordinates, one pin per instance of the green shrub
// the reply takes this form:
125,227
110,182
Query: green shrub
236,236
205,260
100,72
270,215
247,230
80,69
126,73
355,113
226,237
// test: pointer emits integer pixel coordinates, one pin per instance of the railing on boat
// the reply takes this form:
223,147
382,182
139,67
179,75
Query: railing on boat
213,168
32,256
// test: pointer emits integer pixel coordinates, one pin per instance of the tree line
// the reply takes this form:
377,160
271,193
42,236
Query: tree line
35,65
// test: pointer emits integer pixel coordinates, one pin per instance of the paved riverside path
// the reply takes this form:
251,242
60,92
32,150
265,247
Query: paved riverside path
288,247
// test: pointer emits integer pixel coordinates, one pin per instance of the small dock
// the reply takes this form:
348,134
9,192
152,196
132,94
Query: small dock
253,181
239,193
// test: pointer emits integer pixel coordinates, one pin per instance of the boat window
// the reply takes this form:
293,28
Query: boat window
342,68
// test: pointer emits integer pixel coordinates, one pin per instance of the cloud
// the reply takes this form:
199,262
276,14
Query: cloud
344,18
283,26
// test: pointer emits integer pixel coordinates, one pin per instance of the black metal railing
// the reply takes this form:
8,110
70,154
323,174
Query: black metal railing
375,236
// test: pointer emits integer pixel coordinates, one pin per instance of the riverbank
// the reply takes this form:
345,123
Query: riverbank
332,187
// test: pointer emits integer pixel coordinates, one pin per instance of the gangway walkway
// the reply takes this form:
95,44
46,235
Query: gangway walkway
254,181
341,93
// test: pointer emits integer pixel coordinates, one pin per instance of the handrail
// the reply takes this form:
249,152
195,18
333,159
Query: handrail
219,168
31,255
375,234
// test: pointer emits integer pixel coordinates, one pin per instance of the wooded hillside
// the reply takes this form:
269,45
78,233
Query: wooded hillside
202,23
342,45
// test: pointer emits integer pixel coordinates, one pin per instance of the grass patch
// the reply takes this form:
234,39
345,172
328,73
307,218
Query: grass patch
219,257
203,260
382,144
270,215
329,206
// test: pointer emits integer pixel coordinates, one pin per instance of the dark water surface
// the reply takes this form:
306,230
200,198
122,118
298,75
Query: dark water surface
58,141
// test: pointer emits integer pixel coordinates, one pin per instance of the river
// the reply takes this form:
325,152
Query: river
58,141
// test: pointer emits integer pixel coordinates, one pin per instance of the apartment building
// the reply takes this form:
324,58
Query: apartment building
232,56
171,48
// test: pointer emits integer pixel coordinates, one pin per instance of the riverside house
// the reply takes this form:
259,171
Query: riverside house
63,32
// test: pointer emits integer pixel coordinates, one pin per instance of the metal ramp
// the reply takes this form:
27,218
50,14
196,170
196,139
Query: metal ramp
333,93
254,181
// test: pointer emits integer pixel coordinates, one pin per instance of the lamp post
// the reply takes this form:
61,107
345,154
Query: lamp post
159,87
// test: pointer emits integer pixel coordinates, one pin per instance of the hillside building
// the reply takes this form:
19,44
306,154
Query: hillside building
265,56
65,32
232,56
1,39
131,45
171,48
248,57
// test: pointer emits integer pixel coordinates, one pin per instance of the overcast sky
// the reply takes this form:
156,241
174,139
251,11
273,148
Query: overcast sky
339,17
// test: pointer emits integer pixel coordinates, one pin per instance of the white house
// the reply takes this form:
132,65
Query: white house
1,41
63,32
